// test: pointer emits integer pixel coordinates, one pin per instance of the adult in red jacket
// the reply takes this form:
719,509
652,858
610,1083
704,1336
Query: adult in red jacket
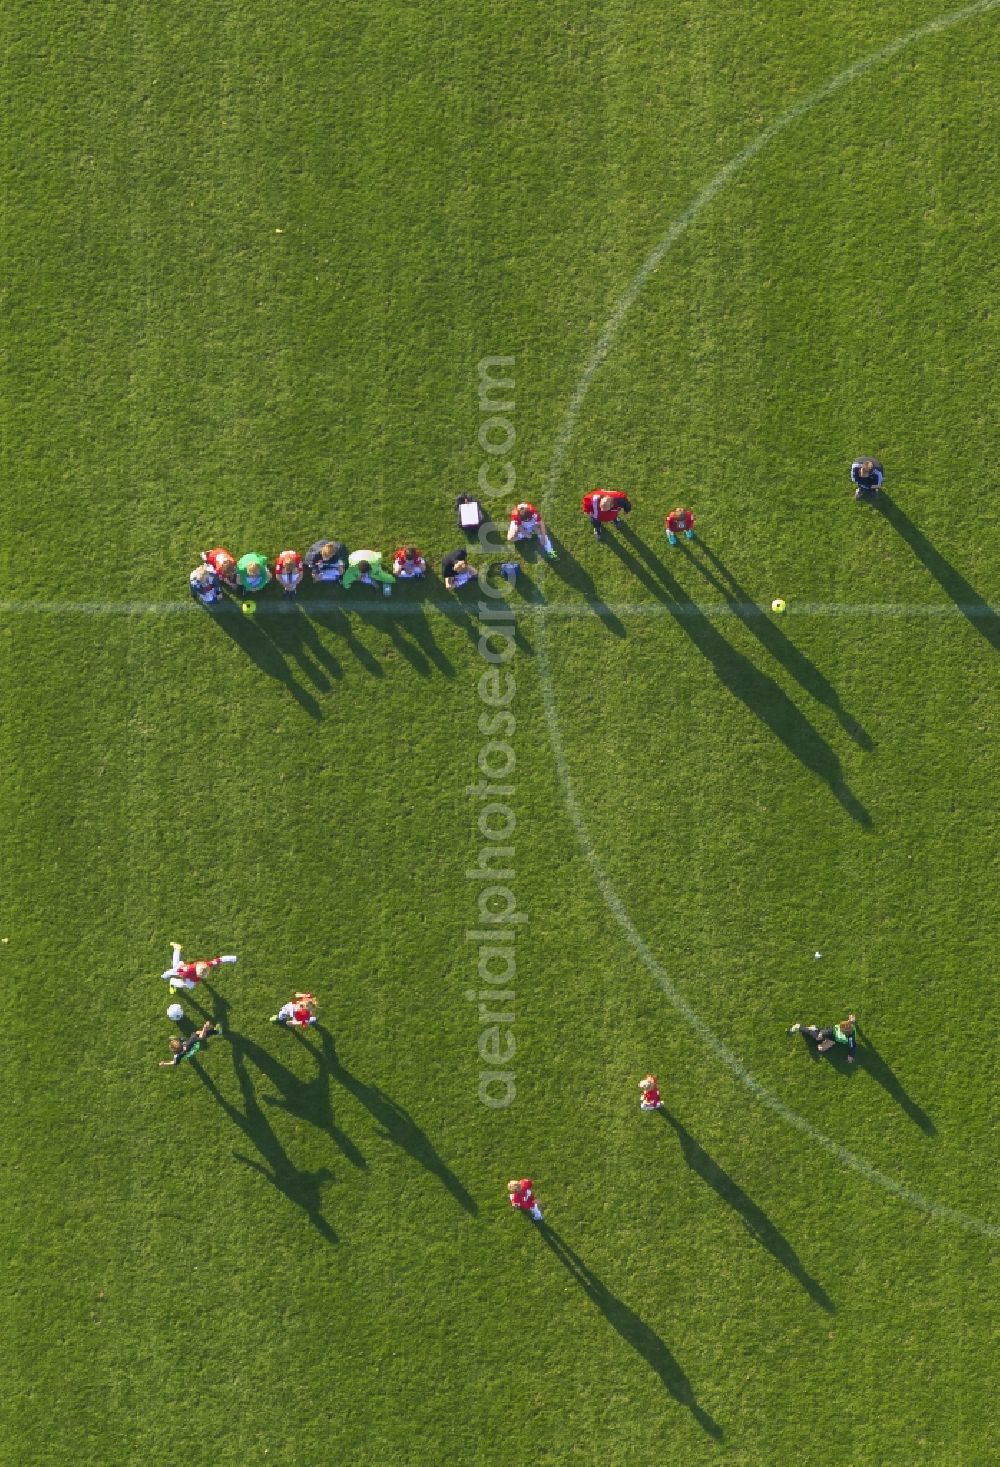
604,507
522,1196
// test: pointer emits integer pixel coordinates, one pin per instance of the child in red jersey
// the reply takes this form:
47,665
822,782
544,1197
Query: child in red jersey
522,1196
189,975
604,507
526,523
299,1013
224,565
650,1094
408,564
679,521
288,571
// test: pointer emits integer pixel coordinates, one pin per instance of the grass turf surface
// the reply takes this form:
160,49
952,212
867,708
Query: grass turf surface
303,1253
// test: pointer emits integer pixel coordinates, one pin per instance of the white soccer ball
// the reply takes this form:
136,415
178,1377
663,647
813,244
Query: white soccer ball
175,1012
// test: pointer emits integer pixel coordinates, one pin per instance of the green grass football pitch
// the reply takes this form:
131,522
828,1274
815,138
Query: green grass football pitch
252,257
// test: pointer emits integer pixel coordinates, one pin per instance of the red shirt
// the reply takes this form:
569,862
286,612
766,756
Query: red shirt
220,560
190,970
523,514
604,516
679,519
287,560
400,562
523,1196
651,1096
301,1015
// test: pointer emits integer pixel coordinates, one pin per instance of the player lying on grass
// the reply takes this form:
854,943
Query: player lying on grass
526,524
825,1039
327,560
366,566
522,1196
605,507
298,1013
182,1049
189,975
408,564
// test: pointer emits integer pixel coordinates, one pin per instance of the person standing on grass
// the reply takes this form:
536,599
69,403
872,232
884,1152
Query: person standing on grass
457,571
205,585
867,475
327,560
288,571
679,521
189,975
223,563
605,507
182,1049
825,1039
526,524
252,572
522,1196
299,1013
366,566
408,564
650,1094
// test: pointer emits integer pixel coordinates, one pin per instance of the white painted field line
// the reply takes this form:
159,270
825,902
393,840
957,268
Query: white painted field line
565,436
559,609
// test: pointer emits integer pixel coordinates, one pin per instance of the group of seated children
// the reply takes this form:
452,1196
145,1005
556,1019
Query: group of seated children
329,561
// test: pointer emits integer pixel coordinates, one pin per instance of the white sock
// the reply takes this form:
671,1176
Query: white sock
229,958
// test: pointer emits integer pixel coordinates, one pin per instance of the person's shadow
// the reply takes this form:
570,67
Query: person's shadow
309,1100
322,610
634,1331
418,627
774,641
754,1219
302,1188
398,1126
758,692
261,648
868,1058
578,578
973,607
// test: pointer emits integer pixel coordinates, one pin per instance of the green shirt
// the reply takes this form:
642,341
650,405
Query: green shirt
375,571
248,581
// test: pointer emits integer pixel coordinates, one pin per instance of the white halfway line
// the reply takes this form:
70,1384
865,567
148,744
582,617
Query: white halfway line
559,609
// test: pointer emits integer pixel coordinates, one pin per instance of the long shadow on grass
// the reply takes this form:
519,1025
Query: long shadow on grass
977,612
319,610
261,647
757,691
300,1187
774,641
295,636
754,1219
867,1057
633,1330
578,578
398,1126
